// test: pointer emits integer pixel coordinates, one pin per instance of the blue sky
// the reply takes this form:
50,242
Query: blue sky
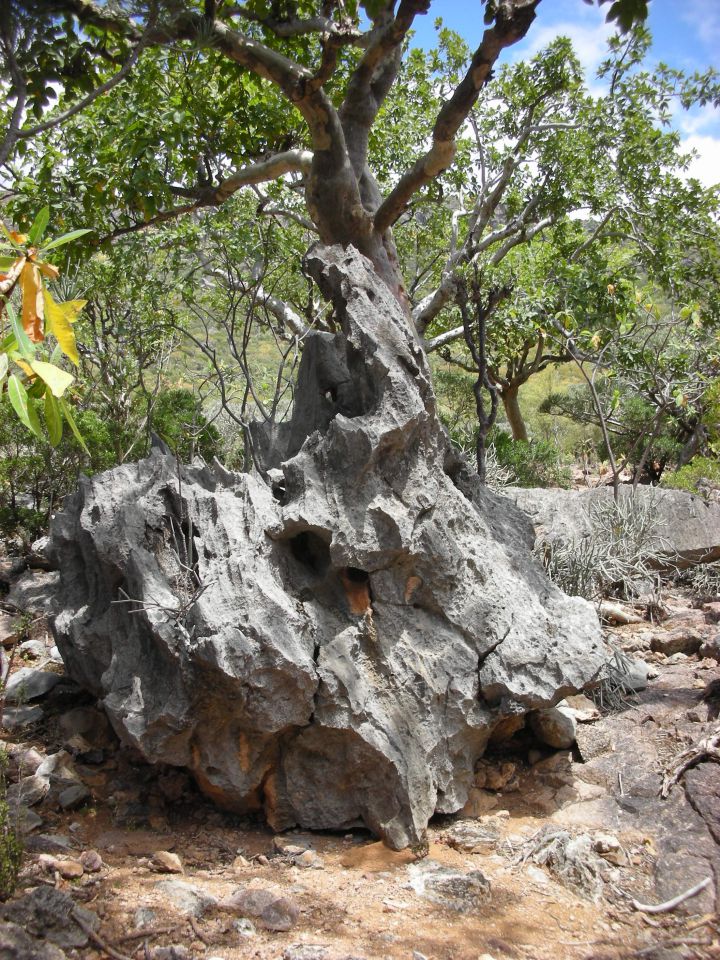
686,35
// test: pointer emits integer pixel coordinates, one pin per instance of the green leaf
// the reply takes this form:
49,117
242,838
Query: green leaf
53,418
58,380
7,262
3,366
39,226
67,413
65,238
24,344
23,406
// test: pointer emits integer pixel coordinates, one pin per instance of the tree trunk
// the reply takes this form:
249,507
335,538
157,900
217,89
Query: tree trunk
513,412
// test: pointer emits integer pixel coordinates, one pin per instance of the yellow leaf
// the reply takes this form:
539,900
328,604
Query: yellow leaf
59,318
32,303
48,269
58,380
23,365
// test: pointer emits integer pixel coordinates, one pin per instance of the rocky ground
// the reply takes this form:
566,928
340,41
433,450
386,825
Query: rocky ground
554,856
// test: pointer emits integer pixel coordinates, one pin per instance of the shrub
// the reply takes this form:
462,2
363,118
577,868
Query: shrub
535,463
179,420
622,546
701,475
11,848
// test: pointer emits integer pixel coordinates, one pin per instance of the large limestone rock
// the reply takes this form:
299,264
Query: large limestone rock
332,640
688,525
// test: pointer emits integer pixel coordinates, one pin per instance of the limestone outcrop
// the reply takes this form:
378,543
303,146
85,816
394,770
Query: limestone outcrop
333,638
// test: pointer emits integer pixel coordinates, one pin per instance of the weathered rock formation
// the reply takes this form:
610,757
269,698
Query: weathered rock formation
333,640
688,525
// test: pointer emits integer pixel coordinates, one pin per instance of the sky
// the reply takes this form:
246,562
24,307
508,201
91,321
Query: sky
686,35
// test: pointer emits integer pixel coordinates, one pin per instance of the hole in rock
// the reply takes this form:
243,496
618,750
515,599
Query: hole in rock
357,589
311,551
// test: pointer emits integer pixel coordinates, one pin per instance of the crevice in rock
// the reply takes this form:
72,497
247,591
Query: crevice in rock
311,552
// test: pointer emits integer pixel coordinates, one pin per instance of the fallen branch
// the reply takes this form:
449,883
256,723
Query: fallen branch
147,932
198,932
675,902
706,749
98,941
618,613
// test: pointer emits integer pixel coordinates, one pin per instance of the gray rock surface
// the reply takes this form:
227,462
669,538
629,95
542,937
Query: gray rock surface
17,718
367,617
29,684
689,525
46,913
17,944
187,898
34,592
464,892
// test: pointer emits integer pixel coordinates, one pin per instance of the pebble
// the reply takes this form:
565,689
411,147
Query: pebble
245,927
273,911
310,858
305,951
165,862
144,917
91,861
188,899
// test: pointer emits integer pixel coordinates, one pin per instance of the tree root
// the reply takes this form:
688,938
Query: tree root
706,749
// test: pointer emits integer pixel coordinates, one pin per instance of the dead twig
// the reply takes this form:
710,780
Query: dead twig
198,932
145,933
706,749
98,941
677,942
675,902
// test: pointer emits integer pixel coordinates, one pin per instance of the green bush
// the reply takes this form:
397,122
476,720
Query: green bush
179,420
11,848
701,475
535,463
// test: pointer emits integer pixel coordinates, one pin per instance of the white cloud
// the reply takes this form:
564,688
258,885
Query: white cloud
706,165
589,42
703,16
696,120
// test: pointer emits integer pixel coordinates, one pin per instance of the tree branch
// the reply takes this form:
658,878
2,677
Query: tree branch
113,81
512,21
291,161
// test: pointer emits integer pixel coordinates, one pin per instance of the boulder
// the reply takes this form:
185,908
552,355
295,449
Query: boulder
554,726
711,648
680,640
29,684
688,524
334,638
